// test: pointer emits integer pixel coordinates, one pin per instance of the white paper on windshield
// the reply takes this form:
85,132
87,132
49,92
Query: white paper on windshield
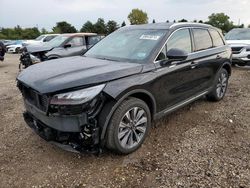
150,37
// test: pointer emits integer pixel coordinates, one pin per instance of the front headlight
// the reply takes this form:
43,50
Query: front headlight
77,97
34,59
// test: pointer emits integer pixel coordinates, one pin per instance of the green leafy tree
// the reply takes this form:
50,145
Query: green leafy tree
44,31
88,27
64,27
30,33
221,21
111,26
249,26
123,24
137,16
100,26
183,20
19,33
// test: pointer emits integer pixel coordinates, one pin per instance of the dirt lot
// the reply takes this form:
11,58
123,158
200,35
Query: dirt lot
202,145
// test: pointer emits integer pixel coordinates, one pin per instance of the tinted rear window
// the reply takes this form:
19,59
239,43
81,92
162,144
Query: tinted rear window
217,40
202,39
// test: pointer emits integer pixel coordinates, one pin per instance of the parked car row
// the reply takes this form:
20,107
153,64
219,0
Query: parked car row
108,97
64,45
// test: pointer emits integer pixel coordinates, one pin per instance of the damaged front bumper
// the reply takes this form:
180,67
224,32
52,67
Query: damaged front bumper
76,133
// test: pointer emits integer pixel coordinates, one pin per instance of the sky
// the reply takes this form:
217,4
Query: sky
45,13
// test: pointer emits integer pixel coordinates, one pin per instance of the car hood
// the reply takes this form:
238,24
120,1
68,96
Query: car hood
14,46
32,48
65,73
238,42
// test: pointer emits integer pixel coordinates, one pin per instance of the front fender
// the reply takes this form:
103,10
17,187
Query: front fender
121,89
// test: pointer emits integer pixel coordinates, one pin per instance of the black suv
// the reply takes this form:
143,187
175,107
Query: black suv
109,96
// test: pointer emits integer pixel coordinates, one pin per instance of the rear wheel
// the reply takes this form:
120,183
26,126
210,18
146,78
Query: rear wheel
17,50
128,126
220,88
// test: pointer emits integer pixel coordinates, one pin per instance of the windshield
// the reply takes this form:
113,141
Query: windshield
238,34
127,45
57,41
40,37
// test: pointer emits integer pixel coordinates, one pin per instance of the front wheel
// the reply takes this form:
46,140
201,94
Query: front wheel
220,88
128,126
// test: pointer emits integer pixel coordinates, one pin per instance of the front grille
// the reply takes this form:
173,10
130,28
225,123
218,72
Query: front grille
236,50
38,100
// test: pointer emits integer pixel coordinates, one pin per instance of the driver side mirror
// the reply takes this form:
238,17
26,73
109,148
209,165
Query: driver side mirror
175,54
67,46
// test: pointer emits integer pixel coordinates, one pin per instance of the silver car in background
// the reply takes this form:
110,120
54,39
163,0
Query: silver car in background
239,40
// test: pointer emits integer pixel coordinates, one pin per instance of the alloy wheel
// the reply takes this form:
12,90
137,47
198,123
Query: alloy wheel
222,85
132,127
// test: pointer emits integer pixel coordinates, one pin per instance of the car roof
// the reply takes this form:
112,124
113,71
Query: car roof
170,25
79,34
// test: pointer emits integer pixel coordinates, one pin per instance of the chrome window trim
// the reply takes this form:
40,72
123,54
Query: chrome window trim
196,27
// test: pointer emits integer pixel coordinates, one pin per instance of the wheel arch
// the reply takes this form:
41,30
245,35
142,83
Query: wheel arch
228,67
112,105
50,57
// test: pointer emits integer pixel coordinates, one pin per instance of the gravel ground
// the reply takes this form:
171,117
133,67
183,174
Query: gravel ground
202,145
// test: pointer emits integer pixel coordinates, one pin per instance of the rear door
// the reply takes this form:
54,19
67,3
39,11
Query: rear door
77,47
207,57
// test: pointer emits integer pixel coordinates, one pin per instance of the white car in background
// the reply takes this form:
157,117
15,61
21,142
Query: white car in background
39,40
15,47
239,40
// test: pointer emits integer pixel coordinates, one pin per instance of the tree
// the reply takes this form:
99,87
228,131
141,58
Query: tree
30,33
200,21
88,27
241,26
221,21
64,27
44,31
123,24
100,26
249,26
195,21
137,16
167,21
153,21
183,20
111,26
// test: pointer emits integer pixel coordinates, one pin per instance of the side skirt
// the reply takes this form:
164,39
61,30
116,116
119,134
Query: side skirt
179,105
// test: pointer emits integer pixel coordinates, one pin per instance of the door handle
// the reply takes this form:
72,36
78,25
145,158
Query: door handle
194,64
218,57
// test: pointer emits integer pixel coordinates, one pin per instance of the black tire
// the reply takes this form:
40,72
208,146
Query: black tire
241,64
220,87
126,144
17,50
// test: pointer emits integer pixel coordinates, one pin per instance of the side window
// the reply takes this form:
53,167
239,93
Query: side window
217,40
162,54
202,39
48,38
93,39
76,41
180,39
